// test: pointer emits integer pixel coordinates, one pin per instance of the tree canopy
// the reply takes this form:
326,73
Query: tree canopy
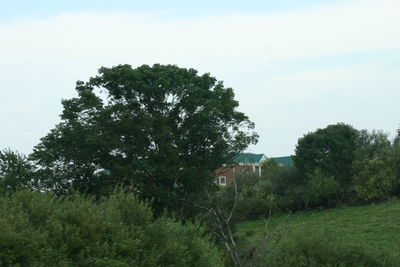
15,171
330,150
160,130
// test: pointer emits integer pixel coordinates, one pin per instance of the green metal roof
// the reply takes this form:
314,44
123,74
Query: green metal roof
285,161
248,158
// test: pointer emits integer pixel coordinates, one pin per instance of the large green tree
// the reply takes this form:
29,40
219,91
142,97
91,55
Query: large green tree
159,130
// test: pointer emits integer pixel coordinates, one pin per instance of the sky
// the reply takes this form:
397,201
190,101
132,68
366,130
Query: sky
295,65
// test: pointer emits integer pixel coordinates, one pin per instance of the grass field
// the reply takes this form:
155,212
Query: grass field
374,227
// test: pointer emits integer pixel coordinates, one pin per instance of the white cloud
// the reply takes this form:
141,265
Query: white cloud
355,27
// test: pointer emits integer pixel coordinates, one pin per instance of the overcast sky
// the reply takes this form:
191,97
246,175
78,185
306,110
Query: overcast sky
295,65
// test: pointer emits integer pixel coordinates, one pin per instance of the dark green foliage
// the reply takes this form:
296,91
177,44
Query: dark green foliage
40,230
159,130
256,201
340,165
287,185
375,170
375,180
372,144
331,150
15,171
394,155
322,190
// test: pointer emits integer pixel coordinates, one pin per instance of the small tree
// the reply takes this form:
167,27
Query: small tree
330,150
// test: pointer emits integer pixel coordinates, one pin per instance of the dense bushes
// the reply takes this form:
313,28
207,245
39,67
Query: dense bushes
40,230
256,201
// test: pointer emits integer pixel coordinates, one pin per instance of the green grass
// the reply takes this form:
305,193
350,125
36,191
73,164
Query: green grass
374,227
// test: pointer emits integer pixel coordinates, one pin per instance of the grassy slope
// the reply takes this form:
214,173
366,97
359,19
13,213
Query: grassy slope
375,227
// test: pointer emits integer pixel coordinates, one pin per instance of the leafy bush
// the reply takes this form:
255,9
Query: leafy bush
255,198
322,190
375,180
288,186
281,177
375,170
256,202
40,230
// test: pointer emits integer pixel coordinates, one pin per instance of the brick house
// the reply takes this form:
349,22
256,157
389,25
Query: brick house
244,162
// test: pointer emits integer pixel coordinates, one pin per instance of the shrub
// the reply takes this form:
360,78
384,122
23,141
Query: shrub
287,185
256,202
322,190
40,230
293,199
375,180
255,199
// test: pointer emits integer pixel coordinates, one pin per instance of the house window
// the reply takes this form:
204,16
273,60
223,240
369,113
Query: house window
222,180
